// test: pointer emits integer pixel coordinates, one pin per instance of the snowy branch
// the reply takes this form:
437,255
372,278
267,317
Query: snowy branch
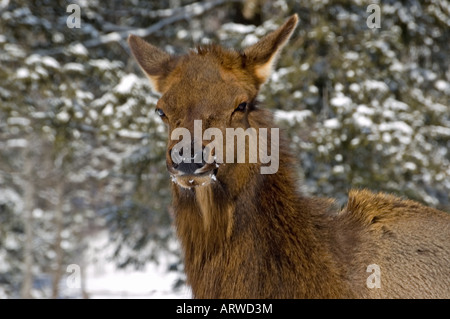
172,15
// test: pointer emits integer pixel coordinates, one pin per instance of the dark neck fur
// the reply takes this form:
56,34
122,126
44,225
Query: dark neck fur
263,241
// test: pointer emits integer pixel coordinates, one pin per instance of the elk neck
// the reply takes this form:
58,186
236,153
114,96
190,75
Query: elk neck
246,220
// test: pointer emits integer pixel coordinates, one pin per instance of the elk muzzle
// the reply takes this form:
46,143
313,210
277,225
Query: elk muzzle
190,164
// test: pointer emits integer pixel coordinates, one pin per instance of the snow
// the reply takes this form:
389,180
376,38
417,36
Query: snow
362,120
38,213
442,85
396,66
63,116
182,34
23,73
439,131
9,196
249,40
107,98
238,28
126,109
339,87
332,123
45,60
17,143
4,3
108,110
338,169
14,50
93,114
268,25
304,67
354,87
4,267
429,75
297,94
375,85
277,75
313,89
410,166
105,64
351,55
396,126
75,67
364,109
341,101
84,95
78,49
388,114
50,62
438,108
130,134
41,71
293,116
105,280
126,84
19,121
114,37
395,105
338,157
33,59
38,115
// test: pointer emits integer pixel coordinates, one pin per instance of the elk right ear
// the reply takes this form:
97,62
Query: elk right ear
261,56
155,63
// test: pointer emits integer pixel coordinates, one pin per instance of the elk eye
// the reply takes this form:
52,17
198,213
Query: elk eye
241,107
160,112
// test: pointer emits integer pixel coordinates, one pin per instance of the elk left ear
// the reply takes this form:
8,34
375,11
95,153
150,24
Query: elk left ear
155,63
261,56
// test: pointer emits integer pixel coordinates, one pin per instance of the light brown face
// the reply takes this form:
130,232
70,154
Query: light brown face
204,93
199,95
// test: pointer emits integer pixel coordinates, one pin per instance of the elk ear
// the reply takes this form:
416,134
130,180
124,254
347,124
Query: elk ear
261,56
155,63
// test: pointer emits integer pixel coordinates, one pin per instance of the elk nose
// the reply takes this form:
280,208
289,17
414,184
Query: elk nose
186,160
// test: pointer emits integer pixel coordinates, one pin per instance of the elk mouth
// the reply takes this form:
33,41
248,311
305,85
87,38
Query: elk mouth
202,177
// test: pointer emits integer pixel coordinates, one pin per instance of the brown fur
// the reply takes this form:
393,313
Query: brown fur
249,235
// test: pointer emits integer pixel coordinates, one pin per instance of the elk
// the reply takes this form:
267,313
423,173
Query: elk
245,234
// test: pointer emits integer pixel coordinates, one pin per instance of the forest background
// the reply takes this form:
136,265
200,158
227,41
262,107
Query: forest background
362,93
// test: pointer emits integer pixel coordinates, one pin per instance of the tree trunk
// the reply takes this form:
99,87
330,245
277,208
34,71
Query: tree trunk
59,226
28,225
84,293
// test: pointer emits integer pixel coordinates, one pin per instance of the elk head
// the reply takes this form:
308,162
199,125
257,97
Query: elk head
204,93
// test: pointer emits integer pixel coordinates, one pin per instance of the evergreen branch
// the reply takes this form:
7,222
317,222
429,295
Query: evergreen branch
173,15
